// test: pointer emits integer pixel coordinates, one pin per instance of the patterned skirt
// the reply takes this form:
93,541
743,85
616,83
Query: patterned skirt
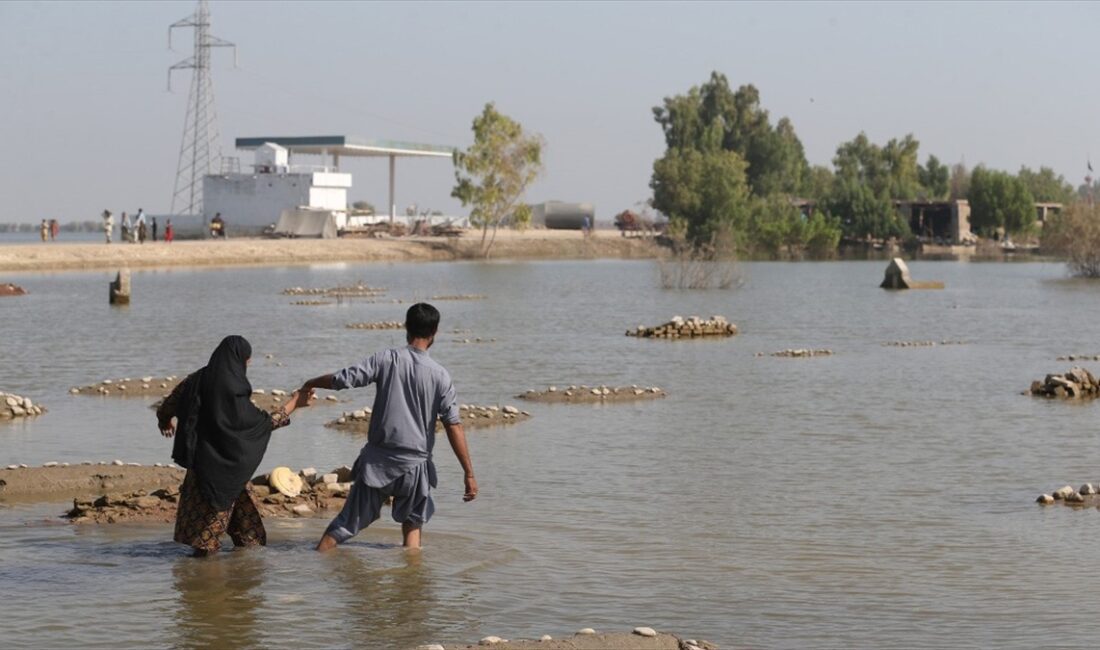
199,525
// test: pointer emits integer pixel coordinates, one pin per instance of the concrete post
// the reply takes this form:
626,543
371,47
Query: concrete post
120,288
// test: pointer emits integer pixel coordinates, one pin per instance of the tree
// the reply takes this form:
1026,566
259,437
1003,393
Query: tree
1000,200
818,183
867,181
1046,186
493,174
959,183
1075,233
934,179
712,117
701,193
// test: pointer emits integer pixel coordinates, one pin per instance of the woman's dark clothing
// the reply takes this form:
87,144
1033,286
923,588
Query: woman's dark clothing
221,437
199,525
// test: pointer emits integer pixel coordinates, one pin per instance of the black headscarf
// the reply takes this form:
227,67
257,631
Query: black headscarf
232,433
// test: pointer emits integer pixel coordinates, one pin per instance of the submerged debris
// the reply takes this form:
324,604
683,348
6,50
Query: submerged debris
799,353
593,395
357,290
377,325
692,327
1076,383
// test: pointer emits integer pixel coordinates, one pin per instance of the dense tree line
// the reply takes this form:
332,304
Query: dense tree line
730,174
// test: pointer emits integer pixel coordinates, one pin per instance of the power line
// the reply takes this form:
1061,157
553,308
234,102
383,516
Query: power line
200,148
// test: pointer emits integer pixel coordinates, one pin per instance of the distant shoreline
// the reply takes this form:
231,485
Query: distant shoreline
509,245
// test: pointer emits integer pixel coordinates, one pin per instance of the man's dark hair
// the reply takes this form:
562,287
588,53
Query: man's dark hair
421,321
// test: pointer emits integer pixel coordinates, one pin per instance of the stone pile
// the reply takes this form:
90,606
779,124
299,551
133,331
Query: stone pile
1076,383
271,399
637,639
1087,494
462,296
799,353
16,406
311,303
1080,357
692,327
473,417
130,387
320,492
594,395
920,344
359,290
9,289
475,340
377,325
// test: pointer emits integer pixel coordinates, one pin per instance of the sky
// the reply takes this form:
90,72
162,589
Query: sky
86,122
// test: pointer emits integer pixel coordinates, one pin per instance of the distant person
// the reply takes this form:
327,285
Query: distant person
108,224
55,228
221,437
217,226
169,233
45,230
139,226
586,226
124,228
413,392
153,227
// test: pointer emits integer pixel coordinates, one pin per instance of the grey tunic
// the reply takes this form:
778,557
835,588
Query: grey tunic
412,392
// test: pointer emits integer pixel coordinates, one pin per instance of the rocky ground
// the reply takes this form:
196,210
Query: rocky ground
377,325
641,638
58,481
693,327
799,353
593,395
14,406
312,303
12,290
473,417
1076,383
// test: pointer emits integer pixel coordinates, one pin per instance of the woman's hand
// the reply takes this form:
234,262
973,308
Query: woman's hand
168,431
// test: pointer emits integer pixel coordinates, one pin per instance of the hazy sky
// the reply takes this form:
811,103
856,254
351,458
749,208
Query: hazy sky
87,122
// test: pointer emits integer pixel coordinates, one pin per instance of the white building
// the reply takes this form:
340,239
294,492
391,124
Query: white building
253,201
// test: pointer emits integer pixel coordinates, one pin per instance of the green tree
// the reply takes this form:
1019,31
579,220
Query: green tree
1075,233
934,178
1046,186
867,181
493,174
958,186
1000,200
818,183
713,117
703,194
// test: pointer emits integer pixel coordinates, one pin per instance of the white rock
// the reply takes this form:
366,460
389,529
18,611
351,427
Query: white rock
645,631
107,381
552,389
596,391
331,477
163,385
158,464
638,391
491,640
1045,499
18,410
546,637
64,464
359,415
172,466
27,403
586,630
134,464
74,391
117,462
277,392
1087,488
430,646
308,472
258,391
125,379
302,510
341,420
330,398
11,401
22,465
122,387
13,467
1063,492
146,380
52,463
510,409
145,386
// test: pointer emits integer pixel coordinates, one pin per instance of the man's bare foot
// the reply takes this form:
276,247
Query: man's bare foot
327,543
411,535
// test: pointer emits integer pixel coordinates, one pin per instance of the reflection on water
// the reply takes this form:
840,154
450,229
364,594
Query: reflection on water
881,497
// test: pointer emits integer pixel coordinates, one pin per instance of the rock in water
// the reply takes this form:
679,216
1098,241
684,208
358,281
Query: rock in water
645,631
1045,499
491,640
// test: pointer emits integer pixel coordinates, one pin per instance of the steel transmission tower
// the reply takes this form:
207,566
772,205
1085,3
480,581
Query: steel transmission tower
199,150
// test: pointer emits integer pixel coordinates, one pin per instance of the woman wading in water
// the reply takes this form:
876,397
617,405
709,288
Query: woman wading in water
221,436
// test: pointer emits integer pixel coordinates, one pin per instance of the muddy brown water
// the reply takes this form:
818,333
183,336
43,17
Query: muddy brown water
880,497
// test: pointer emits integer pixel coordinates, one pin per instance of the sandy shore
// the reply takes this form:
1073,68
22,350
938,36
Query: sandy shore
533,244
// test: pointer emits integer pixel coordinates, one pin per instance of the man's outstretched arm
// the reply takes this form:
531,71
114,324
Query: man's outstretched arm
456,435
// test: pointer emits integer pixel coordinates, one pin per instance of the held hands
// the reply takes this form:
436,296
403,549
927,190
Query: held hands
299,399
168,430
471,488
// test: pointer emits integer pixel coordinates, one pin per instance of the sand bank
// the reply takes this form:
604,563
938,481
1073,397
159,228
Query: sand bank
596,641
533,244
80,480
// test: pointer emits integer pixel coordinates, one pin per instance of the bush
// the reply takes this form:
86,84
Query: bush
1075,233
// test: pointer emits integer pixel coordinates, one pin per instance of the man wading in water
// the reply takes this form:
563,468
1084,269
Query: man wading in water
413,392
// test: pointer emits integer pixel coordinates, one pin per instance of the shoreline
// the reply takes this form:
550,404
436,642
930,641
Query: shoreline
509,245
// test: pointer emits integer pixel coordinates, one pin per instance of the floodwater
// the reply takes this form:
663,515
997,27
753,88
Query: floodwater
881,497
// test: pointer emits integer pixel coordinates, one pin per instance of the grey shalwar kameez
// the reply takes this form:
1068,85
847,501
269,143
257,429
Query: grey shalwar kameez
413,391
